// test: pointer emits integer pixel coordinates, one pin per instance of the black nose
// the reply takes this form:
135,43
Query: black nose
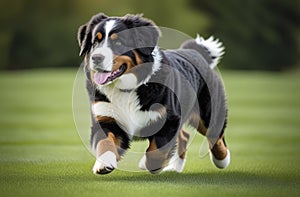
98,58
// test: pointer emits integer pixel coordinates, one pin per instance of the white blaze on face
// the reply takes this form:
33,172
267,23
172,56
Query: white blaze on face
104,50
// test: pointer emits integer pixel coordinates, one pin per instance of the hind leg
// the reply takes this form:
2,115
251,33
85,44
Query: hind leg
177,162
182,141
219,153
156,158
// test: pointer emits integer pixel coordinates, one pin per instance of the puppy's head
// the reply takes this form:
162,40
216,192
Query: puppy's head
114,45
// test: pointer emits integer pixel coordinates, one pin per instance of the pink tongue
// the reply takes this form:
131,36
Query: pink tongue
101,78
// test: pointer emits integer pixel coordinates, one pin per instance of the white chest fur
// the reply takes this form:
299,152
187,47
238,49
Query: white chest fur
125,108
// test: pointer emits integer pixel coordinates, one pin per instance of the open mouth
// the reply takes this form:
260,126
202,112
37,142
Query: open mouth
102,78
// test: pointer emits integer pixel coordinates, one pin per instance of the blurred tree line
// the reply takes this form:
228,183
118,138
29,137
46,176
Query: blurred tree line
258,34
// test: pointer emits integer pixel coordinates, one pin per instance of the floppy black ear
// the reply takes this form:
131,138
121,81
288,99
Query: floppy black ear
146,33
81,34
84,34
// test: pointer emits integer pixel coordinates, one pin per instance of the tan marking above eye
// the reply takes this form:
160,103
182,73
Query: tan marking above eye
113,36
99,36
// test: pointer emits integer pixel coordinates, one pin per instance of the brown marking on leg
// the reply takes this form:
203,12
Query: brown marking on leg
219,149
155,158
108,144
182,140
152,146
201,128
196,122
117,140
105,119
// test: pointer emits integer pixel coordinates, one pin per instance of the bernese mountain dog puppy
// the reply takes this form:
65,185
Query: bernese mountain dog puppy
139,91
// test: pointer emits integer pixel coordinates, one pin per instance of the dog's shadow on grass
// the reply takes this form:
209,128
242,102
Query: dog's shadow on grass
208,178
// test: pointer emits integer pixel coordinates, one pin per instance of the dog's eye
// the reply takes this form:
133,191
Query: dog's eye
116,39
99,36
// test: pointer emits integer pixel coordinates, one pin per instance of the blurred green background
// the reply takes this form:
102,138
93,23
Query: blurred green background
258,34
41,153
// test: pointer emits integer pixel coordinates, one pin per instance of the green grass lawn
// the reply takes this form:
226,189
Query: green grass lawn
42,154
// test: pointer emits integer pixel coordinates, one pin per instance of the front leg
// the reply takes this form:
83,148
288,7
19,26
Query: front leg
109,142
157,158
106,155
161,147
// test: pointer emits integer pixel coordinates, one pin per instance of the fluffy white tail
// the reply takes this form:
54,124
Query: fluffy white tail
214,47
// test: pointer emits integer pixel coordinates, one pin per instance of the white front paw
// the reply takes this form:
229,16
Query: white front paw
106,163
